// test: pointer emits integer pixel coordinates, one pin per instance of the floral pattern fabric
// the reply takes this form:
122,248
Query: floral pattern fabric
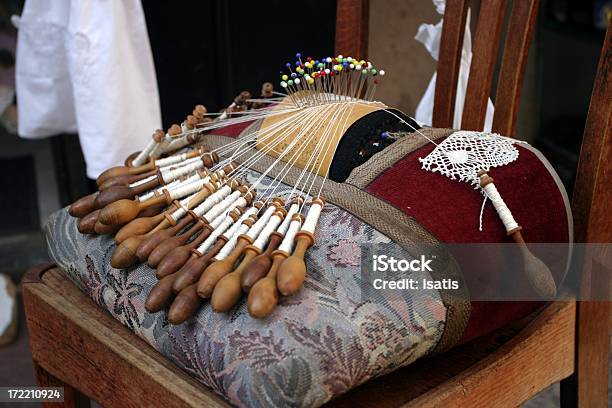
317,344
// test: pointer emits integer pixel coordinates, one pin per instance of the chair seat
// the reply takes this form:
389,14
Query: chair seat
85,347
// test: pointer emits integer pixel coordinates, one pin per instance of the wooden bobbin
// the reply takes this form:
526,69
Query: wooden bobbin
144,225
164,247
160,294
185,304
213,273
228,290
260,265
175,260
151,165
191,272
125,254
207,189
87,223
83,206
537,273
118,192
125,180
151,241
165,289
122,211
263,296
292,272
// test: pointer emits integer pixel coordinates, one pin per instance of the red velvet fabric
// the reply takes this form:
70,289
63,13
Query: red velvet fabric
232,130
450,210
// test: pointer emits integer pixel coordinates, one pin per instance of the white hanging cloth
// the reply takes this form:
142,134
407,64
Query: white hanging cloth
87,67
429,35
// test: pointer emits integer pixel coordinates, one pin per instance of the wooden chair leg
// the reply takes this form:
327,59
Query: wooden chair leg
588,386
73,398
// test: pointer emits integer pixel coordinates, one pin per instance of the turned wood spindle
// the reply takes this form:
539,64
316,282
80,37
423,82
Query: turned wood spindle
185,304
223,266
292,271
537,273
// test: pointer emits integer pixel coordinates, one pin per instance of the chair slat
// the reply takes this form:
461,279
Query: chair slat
592,193
449,61
352,22
484,50
516,49
591,209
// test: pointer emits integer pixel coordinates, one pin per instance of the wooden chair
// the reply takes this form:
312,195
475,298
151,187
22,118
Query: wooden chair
77,345
352,39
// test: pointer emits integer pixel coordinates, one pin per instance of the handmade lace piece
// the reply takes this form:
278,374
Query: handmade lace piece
463,154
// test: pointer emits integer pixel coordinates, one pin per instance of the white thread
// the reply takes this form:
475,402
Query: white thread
158,190
221,206
144,180
171,160
160,147
288,240
264,235
484,201
285,225
143,155
186,189
231,244
501,207
312,218
181,171
261,222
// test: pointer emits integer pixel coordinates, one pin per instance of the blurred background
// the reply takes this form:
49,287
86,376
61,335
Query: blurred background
207,51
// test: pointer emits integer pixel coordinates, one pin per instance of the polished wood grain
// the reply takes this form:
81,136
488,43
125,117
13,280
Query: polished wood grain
83,346
449,62
512,71
73,398
485,48
588,387
352,28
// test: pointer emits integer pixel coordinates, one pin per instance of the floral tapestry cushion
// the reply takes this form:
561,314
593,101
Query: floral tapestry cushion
317,344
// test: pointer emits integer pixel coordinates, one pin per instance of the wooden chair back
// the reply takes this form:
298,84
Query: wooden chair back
588,386
352,38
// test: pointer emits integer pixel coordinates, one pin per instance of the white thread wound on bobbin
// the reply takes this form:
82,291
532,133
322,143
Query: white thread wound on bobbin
500,206
143,155
212,199
170,175
288,240
231,244
282,229
171,160
178,165
158,190
144,180
186,189
312,218
178,143
261,222
160,147
218,208
264,235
